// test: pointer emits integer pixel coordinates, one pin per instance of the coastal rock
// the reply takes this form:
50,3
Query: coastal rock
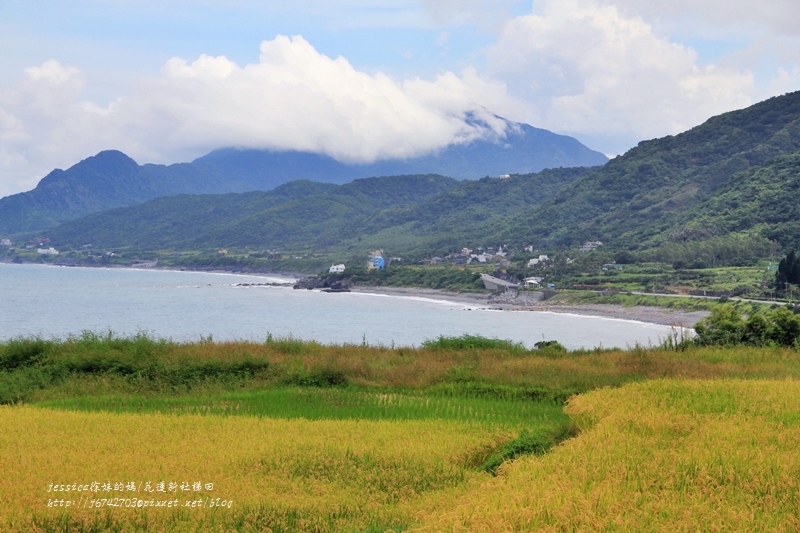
331,283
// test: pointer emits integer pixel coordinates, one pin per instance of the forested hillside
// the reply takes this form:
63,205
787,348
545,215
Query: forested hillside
712,180
400,212
297,213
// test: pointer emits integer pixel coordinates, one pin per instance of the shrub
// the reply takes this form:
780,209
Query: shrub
550,347
725,326
23,352
472,342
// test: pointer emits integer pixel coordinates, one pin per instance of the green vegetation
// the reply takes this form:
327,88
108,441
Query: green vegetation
411,214
726,326
446,277
530,442
148,374
473,342
296,215
721,178
342,403
788,271
35,369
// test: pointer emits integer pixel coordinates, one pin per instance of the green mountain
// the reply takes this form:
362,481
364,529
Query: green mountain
299,212
399,212
109,179
670,189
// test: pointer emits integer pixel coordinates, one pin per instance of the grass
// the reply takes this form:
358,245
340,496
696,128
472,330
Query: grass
38,370
332,404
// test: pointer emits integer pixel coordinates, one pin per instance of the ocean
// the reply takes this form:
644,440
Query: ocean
57,302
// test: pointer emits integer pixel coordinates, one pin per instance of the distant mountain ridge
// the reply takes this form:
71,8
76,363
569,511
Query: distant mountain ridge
725,187
111,179
410,209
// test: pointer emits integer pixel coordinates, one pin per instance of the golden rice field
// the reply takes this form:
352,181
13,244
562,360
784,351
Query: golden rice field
290,475
665,455
662,455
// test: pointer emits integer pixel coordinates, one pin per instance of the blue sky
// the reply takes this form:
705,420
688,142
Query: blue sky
167,81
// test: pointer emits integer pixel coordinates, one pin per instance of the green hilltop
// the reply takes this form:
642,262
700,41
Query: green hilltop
715,179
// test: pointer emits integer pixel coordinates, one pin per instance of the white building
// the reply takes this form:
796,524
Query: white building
535,261
533,282
336,269
47,251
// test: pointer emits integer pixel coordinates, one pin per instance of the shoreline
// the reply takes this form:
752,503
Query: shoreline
647,314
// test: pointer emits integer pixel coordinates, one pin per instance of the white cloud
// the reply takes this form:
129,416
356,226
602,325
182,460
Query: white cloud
725,15
588,69
42,121
294,98
610,72
787,80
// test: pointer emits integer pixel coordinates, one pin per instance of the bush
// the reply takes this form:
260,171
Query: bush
324,377
23,352
725,326
472,342
550,347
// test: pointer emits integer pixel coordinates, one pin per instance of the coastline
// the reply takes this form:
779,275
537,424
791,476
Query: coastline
647,314
652,315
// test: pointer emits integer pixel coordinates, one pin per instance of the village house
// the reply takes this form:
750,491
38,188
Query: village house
538,260
533,282
336,269
588,246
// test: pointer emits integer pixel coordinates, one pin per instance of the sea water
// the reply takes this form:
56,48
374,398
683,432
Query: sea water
56,302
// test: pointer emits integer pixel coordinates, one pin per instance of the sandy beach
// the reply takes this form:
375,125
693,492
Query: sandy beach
653,315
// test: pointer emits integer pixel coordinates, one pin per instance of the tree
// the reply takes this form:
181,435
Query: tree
788,270
724,326
786,327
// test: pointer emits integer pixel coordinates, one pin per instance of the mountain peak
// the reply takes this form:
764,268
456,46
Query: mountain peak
105,162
